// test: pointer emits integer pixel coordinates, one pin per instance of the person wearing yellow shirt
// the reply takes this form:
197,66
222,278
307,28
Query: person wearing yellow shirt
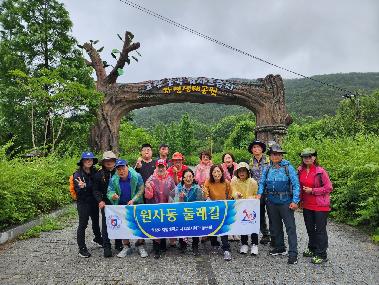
244,187
217,188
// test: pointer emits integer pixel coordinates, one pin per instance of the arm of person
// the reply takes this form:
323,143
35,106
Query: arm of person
228,193
149,189
295,184
137,199
235,194
97,193
111,192
79,190
205,190
253,189
262,182
327,185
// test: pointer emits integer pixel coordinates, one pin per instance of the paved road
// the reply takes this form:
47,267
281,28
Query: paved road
52,259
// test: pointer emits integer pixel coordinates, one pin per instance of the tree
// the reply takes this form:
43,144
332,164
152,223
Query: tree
36,41
104,135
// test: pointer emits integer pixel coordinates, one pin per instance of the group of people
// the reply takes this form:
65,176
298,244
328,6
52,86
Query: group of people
270,178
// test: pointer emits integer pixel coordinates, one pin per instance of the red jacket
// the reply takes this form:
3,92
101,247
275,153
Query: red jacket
319,199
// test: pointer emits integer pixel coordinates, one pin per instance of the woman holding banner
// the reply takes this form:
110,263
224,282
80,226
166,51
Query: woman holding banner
217,188
244,187
158,189
188,191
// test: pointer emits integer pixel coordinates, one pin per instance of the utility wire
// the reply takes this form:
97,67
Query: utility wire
347,93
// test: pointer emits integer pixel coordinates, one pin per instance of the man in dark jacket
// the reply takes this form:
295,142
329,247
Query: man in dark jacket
100,187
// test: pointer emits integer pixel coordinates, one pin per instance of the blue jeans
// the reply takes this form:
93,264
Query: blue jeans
280,214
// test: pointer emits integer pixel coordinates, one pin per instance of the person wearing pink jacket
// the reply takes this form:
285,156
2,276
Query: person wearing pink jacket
315,189
159,189
202,169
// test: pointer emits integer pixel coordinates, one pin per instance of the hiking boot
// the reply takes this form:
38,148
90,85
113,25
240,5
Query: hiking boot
244,249
292,260
227,255
142,251
254,250
107,252
127,250
195,251
98,242
318,260
265,239
84,253
276,251
308,253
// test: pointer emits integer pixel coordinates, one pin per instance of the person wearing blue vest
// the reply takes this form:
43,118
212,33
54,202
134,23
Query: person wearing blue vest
280,184
126,187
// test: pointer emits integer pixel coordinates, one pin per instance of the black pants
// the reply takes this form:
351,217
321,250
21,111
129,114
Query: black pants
104,233
280,214
195,242
315,222
245,239
224,241
85,211
263,223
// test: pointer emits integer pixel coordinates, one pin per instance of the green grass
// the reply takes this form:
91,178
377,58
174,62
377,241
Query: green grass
51,224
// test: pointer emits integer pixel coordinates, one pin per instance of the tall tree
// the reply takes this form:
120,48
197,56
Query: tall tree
36,40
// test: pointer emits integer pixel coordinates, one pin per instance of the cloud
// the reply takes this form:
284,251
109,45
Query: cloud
310,37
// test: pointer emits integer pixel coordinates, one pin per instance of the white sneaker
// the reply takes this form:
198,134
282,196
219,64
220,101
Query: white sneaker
244,249
236,238
125,251
227,255
254,249
142,251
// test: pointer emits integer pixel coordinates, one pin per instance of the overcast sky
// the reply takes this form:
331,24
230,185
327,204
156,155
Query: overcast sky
310,37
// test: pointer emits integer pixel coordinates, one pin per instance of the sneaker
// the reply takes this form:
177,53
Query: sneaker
244,249
230,238
227,255
265,239
276,252
254,250
127,250
308,253
236,238
107,252
318,260
292,260
142,251
98,242
84,253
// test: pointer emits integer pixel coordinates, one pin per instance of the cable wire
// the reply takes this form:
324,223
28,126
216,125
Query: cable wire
347,92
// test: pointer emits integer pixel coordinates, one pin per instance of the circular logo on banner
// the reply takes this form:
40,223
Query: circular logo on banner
115,222
248,216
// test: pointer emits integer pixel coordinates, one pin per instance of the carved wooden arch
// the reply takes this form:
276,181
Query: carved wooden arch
265,98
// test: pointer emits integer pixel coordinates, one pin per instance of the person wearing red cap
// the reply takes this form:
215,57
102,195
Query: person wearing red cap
176,170
158,189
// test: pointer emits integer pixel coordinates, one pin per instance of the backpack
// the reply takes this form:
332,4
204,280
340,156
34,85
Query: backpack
72,188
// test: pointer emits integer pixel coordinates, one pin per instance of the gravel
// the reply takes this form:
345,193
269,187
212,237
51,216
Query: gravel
53,259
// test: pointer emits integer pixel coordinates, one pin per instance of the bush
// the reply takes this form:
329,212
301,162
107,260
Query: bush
353,166
29,188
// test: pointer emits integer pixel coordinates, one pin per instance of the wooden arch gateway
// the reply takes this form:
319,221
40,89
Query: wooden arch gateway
265,97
